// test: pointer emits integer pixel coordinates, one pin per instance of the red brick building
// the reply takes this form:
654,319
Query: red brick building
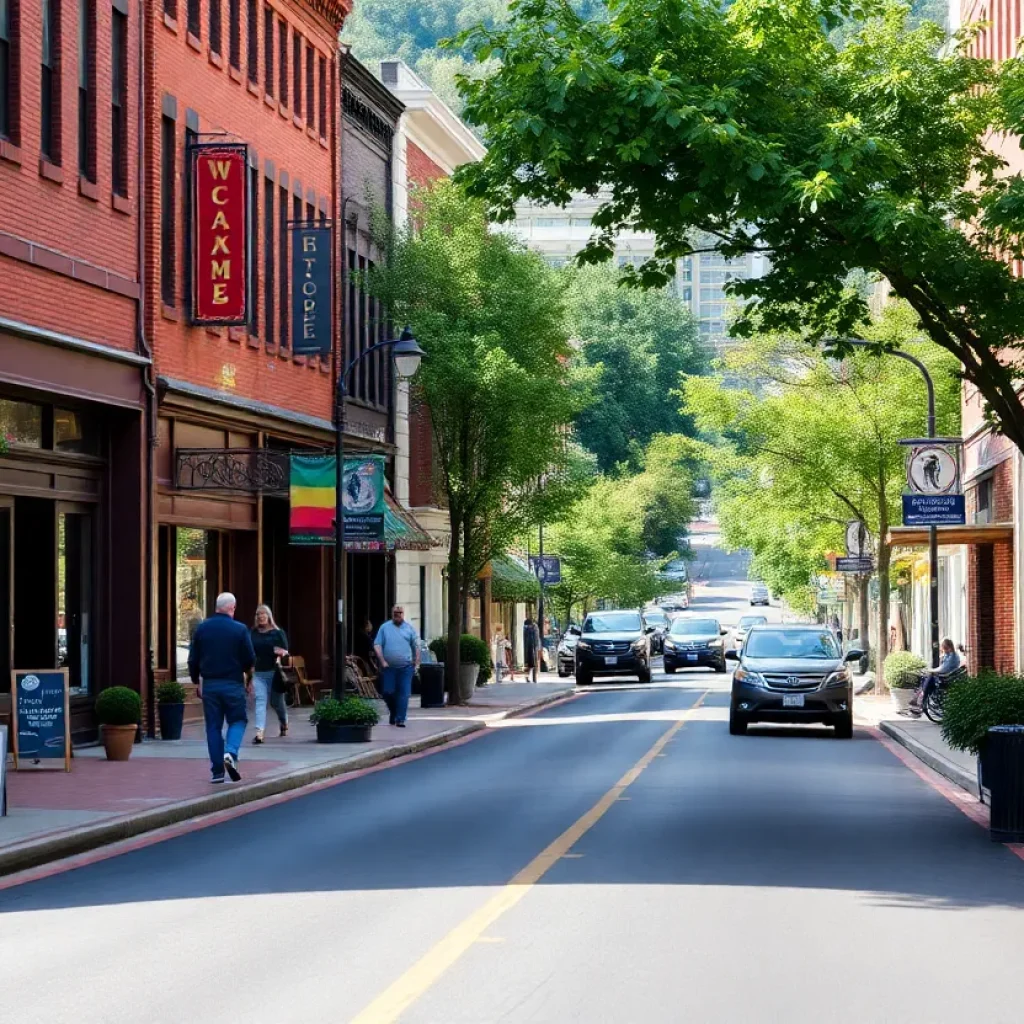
75,364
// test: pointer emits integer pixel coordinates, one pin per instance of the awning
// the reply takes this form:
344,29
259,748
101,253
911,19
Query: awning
979,533
401,531
511,581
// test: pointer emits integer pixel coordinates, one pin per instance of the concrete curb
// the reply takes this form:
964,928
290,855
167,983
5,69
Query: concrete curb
56,846
953,772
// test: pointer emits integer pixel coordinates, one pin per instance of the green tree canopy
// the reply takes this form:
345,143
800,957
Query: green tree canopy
754,124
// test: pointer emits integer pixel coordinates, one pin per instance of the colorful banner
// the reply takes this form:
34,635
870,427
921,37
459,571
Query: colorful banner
311,290
220,201
313,501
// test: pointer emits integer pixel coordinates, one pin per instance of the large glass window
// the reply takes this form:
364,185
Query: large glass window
75,431
190,574
49,140
74,598
21,424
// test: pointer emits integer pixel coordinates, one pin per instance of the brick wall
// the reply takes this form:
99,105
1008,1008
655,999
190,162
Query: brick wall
420,168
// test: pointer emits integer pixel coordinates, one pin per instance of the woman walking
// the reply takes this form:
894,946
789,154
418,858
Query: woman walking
269,643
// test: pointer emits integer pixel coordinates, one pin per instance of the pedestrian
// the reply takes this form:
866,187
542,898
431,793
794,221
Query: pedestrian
363,645
398,654
837,628
270,645
220,661
531,648
949,662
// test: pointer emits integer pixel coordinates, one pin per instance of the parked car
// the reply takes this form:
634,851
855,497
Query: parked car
693,642
759,594
660,621
613,643
566,653
792,673
744,625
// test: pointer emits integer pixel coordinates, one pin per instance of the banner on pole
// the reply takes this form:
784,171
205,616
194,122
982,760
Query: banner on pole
312,492
547,568
312,289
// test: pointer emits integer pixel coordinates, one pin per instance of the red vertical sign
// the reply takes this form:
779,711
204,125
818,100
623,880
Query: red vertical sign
219,281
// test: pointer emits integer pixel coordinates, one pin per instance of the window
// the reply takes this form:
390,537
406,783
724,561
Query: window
310,104
268,50
10,31
194,7
253,232
983,494
269,284
75,431
87,89
686,269
235,33
215,27
581,222
190,574
297,74
686,293
171,8
252,28
168,242
282,50
21,423
282,220
119,104
552,222
50,82
323,97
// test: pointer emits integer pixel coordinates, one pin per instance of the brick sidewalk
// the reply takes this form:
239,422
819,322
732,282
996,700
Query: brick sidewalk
53,813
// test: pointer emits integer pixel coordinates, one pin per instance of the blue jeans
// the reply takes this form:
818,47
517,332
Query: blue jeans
396,685
263,688
223,699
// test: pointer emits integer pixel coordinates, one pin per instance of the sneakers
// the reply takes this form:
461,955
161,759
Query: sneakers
258,738
284,729
401,725
217,780
231,767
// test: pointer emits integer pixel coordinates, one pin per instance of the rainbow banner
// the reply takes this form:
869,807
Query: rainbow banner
313,498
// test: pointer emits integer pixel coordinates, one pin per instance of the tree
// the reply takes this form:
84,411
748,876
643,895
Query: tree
490,317
812,443
752,124
638,343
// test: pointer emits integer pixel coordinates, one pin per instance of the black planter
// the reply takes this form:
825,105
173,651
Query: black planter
171,718
339,732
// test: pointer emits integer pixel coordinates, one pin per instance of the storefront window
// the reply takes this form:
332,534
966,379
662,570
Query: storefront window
75,431
190,577
21,423
74,597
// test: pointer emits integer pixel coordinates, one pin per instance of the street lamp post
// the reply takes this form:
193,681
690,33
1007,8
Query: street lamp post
933,536
407,354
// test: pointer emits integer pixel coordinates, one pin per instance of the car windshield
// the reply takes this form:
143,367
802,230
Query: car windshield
780,643
751,620
655,618
694,627
612,622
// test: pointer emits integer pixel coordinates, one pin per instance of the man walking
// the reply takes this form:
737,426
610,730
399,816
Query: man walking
398,653
531,648
220,663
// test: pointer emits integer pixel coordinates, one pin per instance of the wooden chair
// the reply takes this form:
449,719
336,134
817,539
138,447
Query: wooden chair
302,681
362,678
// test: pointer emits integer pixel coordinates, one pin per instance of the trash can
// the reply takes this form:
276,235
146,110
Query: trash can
1004,773
432,685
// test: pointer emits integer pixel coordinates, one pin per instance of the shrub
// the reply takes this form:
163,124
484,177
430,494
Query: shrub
170,693
472,650
350,711
118,705
901,670
973,705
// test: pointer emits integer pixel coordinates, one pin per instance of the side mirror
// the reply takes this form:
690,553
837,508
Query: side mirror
853,655
732,653
723,632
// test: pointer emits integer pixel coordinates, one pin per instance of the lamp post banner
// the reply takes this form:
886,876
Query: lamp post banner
220,273
312,289
313,501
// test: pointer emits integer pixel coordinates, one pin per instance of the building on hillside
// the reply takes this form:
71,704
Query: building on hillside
559,233
75,365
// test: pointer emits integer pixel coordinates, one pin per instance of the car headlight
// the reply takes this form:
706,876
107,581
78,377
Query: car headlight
744,675
839,678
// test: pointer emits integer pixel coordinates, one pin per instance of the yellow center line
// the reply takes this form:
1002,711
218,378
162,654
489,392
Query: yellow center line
404,991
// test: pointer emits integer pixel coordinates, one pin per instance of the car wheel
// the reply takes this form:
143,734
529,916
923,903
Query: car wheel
844,727
562,673
644,676
584,679
670,670
737,724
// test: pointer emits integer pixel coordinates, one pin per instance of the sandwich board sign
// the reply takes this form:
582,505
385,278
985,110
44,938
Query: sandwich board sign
41,721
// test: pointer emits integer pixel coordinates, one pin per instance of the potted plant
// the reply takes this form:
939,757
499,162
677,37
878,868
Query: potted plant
474,662
118,710
902,675
344,721
973,705
170,705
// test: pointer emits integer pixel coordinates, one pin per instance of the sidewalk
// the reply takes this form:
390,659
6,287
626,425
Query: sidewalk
52,814
922,738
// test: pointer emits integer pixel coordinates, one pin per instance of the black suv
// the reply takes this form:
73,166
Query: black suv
692,642
613,644
792,674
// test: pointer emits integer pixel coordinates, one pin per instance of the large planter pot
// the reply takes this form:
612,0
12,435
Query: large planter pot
118,741
468,675
339,732
171,718
901,697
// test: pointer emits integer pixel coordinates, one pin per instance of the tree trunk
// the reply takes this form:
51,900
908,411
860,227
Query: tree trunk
455,606
884,560
863,613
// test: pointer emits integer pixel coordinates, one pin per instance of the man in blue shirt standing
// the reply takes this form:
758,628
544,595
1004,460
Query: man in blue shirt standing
220,663
398,652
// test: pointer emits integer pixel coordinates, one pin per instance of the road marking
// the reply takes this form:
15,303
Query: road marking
402,993
571,856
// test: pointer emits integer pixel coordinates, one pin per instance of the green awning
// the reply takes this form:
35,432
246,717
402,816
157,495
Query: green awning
512,581
401,529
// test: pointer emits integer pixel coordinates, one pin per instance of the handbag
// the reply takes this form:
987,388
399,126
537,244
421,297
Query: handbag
279,684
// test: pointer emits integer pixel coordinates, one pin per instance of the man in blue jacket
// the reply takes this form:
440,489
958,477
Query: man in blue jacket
220,663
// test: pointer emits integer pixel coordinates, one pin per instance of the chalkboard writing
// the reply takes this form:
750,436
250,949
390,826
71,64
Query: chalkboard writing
42,727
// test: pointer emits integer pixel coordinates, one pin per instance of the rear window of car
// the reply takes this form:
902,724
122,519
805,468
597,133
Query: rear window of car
779,643
612,622
694,627
752,620
656,618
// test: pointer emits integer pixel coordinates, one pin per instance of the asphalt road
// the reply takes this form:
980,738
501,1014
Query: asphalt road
619,858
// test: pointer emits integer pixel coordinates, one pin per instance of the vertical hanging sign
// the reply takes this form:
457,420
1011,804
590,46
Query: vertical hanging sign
312,289
220,233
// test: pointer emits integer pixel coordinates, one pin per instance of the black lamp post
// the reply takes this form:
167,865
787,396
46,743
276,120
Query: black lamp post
407,354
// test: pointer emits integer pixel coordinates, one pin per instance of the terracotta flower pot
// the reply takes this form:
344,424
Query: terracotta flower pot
118,741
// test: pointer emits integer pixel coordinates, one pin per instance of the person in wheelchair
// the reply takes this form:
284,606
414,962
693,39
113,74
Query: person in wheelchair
949,663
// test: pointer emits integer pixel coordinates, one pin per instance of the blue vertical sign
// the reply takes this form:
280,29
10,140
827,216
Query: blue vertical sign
312,289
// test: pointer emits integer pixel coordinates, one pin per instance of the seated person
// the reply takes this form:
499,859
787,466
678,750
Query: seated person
948,664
